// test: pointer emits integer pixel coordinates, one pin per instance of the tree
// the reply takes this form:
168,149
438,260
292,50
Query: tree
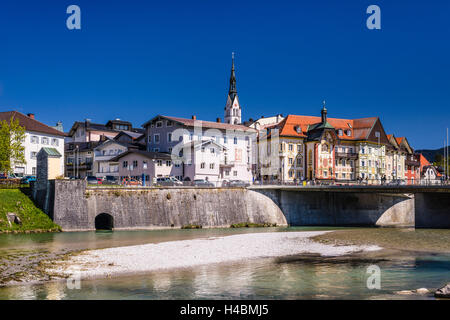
12,150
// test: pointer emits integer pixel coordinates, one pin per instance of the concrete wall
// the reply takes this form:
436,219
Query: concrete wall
321,208
76,207
432,210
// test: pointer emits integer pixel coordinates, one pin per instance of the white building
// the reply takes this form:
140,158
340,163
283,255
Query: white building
37,136
234,145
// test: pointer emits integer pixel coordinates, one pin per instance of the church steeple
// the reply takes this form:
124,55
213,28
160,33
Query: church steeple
232,108
233,91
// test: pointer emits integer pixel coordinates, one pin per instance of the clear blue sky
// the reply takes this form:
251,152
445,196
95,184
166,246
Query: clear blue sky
135,59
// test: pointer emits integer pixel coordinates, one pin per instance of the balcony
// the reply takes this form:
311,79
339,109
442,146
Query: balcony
349,155
413,163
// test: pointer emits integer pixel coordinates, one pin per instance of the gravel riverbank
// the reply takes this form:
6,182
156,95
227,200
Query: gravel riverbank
191,253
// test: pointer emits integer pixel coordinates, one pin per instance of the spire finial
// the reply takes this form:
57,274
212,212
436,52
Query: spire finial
324,112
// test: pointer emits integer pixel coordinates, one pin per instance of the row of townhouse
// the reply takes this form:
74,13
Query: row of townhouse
326,149
188,149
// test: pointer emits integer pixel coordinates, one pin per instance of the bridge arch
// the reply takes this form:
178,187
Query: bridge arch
104,221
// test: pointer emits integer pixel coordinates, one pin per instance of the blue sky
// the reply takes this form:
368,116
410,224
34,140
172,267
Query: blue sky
135,59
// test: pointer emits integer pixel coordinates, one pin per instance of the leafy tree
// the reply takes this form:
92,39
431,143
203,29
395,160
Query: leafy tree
12,149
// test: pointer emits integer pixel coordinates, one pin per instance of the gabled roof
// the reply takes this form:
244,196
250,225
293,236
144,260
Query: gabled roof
202,143
30,124
203,124
147,154
51,152
132,135
360,128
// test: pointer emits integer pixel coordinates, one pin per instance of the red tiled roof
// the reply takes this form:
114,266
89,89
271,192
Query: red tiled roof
423,161
360,128
30,124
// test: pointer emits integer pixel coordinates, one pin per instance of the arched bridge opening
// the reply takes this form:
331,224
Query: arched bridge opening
104,221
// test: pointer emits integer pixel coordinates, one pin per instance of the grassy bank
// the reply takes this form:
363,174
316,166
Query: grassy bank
32,218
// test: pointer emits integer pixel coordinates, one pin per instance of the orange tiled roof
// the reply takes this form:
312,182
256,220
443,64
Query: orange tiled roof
423,161
360,128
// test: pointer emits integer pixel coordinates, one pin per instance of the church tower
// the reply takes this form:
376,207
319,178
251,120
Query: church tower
232,108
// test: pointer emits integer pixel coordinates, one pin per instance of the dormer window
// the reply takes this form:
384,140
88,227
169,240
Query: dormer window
298,129
340,132
349,133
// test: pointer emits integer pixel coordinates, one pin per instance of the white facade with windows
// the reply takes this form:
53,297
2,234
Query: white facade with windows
34,141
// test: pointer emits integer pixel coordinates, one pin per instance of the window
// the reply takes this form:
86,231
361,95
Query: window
363,163
169,137
349,133
159,124
149,139
343,162
299,162
168,163
291,173
291,147
155,149
168,123
291,160
299,148
170,150
135,164
351,163
340,132
227,172
211,165
235,140
177,164
235,173
44,140
159,163
370,163
34,139
55,142
324,148
156,138
33,155
202,165
325,174
191,137
144,164
203,149
337,162
343,175
125,164
225,140
212,150
33,171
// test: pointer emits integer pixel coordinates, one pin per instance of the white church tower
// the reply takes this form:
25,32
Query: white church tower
233,108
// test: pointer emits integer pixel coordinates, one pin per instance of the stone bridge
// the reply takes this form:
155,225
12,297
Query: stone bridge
415,206
74,206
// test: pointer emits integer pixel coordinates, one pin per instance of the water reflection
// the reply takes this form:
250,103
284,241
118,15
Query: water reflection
296,277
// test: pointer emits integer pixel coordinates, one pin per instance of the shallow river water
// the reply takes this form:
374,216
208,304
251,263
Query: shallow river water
297,277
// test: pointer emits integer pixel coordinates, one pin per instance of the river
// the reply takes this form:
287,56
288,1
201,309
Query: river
416,259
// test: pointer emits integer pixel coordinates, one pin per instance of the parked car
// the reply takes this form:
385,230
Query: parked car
27,179
238,183
91,180
99,181
131,182
168,181
202,183
110,180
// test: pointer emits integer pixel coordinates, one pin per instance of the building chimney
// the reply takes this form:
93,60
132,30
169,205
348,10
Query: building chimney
218,120
30,115
194,117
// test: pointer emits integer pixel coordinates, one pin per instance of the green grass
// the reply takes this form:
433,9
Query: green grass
33,218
